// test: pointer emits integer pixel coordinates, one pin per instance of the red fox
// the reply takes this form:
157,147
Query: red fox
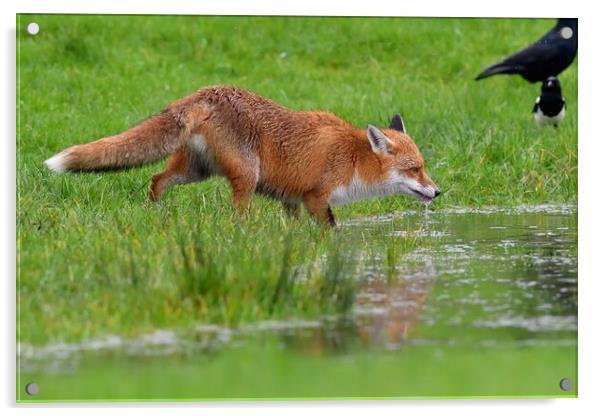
308,157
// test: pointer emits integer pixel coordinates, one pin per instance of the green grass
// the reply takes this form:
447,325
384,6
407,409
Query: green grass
95,258
267,372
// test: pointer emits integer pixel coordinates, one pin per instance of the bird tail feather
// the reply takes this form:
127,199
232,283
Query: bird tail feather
497,69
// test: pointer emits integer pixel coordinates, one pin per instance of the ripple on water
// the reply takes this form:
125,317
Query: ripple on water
534,324
480,272
559,209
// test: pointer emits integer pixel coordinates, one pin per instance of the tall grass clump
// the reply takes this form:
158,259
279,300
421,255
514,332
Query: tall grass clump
241,278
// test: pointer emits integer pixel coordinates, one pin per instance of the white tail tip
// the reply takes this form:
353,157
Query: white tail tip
57,163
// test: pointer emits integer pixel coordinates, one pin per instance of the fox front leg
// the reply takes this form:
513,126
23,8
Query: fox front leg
317,205
292,209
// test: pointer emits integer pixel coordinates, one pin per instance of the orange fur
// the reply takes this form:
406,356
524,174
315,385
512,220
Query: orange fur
307,157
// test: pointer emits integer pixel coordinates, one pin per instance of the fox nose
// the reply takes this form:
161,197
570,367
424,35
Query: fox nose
437,193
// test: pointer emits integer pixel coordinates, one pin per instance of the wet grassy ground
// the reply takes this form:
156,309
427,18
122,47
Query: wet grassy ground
269,372
95,259
486,305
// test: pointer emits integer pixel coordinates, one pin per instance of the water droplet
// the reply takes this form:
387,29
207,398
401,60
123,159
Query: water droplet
426,216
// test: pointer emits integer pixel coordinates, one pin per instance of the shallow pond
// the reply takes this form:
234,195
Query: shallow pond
485,279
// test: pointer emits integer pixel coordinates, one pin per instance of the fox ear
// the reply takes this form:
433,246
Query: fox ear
397,123
378,141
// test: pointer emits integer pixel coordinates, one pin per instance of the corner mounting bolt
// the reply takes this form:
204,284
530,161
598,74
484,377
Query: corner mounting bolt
33,28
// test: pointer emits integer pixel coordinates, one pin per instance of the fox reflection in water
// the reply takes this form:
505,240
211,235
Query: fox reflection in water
384,315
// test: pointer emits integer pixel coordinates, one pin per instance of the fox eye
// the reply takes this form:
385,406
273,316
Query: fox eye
414,170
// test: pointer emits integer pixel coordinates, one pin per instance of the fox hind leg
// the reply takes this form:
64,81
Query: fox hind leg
243,175
164,180
179,170
243,187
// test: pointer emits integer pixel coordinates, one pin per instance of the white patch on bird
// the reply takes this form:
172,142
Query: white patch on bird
395,183
542,120
566,32
57,162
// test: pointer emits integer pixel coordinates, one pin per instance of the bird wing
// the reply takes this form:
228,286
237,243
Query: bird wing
534,54
540,51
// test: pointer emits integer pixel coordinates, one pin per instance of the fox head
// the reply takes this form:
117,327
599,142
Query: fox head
401,163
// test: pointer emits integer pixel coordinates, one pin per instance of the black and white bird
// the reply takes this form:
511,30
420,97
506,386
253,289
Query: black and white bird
547,57
550,106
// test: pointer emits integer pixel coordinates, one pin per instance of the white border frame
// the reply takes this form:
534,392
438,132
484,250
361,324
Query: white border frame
589,190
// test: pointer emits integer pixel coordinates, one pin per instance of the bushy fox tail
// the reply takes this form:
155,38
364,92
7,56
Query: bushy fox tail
149,141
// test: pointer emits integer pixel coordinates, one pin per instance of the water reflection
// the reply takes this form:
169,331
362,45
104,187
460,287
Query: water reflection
476,278
386,311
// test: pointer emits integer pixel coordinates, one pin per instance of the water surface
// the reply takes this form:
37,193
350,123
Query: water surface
478,278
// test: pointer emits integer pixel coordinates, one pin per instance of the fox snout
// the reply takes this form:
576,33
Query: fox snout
432,188
426,193
424,188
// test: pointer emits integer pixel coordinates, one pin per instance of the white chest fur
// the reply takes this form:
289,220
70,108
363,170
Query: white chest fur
356,190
